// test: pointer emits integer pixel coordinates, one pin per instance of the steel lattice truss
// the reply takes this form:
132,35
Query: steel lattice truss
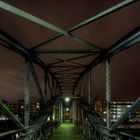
67,66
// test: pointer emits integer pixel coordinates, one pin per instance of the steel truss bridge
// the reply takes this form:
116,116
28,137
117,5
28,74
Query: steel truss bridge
67,70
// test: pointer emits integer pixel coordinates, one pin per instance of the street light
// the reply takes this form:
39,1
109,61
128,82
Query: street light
67,99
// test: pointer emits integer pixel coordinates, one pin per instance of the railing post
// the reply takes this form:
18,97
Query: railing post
89,87
60,110
26,97
74,110
108,92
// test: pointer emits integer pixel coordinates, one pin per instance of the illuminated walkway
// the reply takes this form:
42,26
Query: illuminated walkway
67,131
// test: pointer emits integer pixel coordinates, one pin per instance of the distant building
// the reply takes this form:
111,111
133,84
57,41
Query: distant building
116,110
18,108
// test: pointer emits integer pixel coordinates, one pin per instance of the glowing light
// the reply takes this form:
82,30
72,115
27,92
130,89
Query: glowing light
17,135
67,109
128,105
37,106
67,99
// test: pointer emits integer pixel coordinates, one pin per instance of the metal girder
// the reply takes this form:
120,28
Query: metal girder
11,115
108,92
66,66
67,51
77,63
42,22
69,69
37,82
102,14
68,60
64,86
46,42
10,43
27,97
75,73
30,17
98,78
129,40
45,85
92,19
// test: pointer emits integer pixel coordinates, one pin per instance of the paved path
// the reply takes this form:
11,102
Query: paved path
67,131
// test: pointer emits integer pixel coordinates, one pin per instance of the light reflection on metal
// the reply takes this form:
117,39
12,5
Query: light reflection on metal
108,93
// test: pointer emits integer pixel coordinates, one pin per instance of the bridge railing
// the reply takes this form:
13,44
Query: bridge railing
40,127
99,132
45,131
94,127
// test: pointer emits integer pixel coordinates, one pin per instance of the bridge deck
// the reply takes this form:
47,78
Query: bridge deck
67,131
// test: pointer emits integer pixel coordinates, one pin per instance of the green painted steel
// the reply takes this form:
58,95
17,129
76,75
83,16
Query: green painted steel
67,131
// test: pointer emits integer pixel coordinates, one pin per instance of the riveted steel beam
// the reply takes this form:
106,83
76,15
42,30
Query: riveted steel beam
129,40
10,43
108,93
90,20
67,51
27,97
42,22
11,115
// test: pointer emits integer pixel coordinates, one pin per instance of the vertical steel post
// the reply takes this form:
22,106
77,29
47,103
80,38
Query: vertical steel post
45,86
74,110
108,92
89,87
61,111
27,97
82,88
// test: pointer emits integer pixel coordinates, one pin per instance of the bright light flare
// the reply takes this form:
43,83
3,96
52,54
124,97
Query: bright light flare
67,99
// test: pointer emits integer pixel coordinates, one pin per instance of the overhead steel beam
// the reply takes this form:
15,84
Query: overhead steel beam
67,51
75,73
92,19
70,69
103,14
42,22
68,60
65,66
126,42
10,43
30,17
77,63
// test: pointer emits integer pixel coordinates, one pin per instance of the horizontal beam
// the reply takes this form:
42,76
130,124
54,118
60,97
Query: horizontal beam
129,40
10,43
30,17
70,59
90,20
42,22
84,51
103,14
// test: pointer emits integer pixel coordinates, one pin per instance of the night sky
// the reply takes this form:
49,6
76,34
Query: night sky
103,32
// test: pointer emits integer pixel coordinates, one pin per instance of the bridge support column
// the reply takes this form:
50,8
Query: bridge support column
27,97
108,92
89,87
61,110
74,110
